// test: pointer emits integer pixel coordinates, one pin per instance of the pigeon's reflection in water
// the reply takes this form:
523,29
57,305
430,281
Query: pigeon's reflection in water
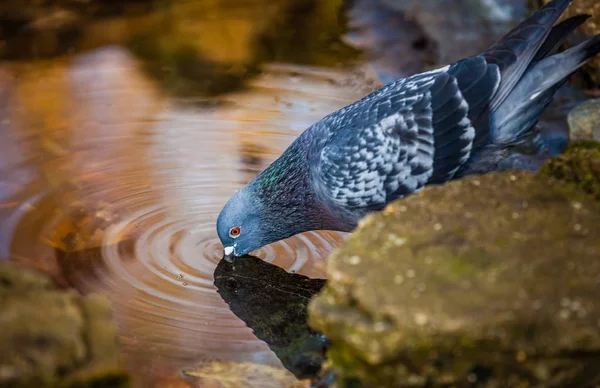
273,303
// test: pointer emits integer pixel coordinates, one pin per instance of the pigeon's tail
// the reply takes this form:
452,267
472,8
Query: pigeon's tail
510,58
529,75
514,53
558,35
522,108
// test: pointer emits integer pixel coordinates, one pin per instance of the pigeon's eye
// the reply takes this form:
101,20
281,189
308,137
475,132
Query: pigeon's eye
234,232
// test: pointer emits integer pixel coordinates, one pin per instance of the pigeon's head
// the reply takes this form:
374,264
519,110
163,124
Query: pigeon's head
240,224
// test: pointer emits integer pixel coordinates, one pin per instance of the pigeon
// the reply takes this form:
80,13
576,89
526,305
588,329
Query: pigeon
430,128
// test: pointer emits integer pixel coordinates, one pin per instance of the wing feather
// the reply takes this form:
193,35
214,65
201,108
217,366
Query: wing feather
410,133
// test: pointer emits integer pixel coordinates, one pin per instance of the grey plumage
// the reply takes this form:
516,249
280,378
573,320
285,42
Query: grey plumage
426,129
558,35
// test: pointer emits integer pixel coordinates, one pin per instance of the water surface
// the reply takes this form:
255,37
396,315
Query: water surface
112,174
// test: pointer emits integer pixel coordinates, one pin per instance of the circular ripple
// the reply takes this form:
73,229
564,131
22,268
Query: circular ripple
165,284
133,213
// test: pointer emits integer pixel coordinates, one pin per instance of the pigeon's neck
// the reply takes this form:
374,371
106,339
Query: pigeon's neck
287,192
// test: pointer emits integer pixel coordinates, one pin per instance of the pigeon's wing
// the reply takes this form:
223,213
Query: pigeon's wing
412,132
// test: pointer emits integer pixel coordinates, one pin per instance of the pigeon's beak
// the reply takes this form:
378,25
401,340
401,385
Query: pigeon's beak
228,252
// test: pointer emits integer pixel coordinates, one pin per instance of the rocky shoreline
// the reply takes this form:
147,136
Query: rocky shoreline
491,280
52,337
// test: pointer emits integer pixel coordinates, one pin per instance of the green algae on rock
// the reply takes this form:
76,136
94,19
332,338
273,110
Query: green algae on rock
490,279
55,338
579,166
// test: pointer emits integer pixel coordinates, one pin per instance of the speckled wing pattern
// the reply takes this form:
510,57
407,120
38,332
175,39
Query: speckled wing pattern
415,131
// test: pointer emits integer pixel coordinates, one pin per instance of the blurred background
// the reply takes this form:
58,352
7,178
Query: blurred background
126,125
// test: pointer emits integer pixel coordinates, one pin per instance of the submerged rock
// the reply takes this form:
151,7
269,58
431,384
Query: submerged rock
50,337
489,280
273,303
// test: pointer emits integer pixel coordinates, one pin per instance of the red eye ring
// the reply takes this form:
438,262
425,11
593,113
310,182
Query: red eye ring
234,232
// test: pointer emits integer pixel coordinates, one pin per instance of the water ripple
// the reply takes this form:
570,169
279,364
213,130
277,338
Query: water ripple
123,199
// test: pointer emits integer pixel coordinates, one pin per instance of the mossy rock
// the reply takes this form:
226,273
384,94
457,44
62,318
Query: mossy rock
579,166
489,280
55,338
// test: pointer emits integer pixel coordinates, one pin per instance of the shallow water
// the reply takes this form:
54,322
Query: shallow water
111,181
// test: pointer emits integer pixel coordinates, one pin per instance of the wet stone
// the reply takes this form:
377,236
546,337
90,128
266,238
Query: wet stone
52,337
584,121
489,280
273,303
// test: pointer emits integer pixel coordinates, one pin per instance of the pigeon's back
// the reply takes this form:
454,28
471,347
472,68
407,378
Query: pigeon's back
415,131
444,124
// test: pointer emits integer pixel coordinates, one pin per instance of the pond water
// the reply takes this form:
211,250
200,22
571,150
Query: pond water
118,152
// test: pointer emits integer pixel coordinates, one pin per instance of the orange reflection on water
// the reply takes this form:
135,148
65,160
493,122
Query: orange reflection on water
97,162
